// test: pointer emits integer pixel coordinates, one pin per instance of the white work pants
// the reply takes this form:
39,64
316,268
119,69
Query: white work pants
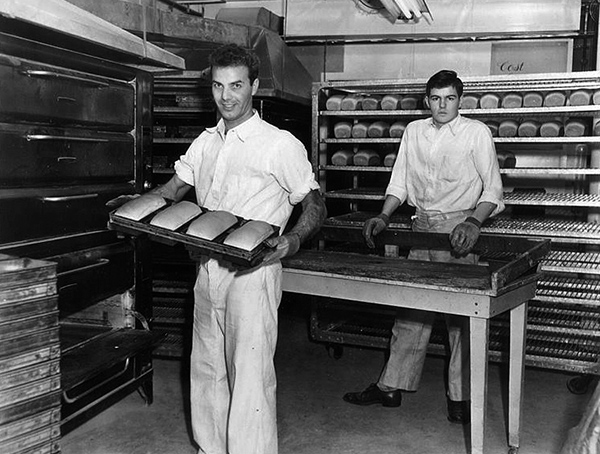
412,328
232,375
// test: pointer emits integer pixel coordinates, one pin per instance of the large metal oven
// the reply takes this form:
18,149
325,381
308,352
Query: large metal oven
75,132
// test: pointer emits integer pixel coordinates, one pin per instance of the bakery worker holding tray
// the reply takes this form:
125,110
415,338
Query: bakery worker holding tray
448,170
256,171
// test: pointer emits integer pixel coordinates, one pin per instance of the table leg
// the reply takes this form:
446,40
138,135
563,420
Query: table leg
479,334
518,327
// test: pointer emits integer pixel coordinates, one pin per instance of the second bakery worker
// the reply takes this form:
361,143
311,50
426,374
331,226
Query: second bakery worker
254,170
448,170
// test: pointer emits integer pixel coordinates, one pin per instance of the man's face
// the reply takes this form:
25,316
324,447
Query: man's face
232,92
444,104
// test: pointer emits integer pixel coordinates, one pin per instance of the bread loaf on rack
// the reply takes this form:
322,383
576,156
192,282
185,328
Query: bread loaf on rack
249,235
533,99
176,215
141,206
512,100
574,128
580,98
343,158
409,102
397,129
506,160
390,159
371,102
334,102
551,128
489,101
352,102
378,129
493,126
596,97
528,128
360,130
390,102
555,99
470,101
211,224
508,128
367,158
342,130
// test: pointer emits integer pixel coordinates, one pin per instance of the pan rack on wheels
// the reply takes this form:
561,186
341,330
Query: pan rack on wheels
551,181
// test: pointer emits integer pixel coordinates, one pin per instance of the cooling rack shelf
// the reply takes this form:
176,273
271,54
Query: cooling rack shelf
547,134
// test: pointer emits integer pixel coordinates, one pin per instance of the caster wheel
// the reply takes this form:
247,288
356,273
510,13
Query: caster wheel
335,351
579,384
513,450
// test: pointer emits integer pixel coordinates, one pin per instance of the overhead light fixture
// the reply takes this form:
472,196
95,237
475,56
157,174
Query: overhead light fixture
406,9
403,10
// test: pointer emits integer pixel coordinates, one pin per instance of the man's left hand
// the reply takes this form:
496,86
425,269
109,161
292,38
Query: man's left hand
463,238
283,246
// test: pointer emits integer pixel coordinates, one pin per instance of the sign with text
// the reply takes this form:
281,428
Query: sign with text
528,57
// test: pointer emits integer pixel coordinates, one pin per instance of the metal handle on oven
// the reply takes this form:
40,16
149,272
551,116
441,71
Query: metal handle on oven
70,400
67,159
65,99
45,73
98,264
68,198
31,137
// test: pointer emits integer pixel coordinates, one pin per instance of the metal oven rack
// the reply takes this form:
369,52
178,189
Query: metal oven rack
551,191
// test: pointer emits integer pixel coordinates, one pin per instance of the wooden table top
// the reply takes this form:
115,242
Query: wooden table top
372,268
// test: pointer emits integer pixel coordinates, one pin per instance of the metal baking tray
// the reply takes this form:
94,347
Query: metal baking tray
198,245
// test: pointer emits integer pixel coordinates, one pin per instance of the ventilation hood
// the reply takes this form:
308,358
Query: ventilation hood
281,74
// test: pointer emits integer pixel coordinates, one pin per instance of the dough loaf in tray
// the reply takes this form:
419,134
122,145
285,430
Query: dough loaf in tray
175,216
212,224
141,206
249,235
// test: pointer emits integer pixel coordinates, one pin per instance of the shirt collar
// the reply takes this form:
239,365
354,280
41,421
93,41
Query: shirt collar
452,126
242,130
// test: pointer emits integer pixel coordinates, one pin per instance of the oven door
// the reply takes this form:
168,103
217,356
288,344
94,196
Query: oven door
35,156
65,96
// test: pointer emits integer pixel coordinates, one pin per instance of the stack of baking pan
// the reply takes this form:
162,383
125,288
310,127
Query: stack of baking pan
29,357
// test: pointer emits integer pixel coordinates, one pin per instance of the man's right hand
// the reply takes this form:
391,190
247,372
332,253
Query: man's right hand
121,200
375,226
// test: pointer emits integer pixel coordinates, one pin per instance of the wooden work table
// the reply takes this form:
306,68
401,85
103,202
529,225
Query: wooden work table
469,290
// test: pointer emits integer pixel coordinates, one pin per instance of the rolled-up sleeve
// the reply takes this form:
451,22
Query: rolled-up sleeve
294,172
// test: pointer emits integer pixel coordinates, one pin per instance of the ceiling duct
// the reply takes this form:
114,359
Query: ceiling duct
281,74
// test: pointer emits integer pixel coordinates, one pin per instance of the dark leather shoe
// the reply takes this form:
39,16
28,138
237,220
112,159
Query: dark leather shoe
458,411
373,395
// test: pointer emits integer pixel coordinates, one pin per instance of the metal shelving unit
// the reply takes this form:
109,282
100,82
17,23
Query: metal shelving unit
551,191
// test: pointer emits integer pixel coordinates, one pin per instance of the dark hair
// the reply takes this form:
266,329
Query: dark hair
442,79
234,55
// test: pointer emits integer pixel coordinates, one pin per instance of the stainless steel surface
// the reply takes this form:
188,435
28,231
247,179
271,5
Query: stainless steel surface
281,75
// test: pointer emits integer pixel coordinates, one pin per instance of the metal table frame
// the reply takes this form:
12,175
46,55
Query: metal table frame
478,305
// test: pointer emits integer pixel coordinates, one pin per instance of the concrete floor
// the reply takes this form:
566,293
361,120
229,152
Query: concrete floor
313,419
